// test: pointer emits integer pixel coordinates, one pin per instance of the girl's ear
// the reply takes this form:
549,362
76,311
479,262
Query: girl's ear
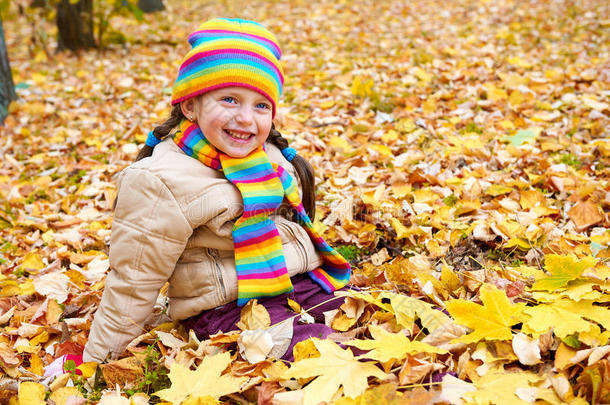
188,108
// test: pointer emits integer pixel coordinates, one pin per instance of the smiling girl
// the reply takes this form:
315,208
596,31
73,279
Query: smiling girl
219,205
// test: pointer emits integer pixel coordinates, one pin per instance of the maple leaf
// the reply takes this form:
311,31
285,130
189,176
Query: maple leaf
566,317
386,345
490,321
205,381
563,269
334,368
500,384
407,309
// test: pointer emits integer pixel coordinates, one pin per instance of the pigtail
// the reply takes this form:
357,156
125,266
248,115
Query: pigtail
163,130
304,171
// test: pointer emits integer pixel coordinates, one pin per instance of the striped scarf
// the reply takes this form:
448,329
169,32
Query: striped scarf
259,257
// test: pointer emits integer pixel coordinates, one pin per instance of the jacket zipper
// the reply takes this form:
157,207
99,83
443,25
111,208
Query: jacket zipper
223,291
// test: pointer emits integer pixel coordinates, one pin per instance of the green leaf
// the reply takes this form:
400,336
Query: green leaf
522,136
563,269
572,341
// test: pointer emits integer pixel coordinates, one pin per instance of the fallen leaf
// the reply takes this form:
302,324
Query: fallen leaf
490,321
253,316
585,214
526,349
31,393
206,380
563,269
334,368
386,346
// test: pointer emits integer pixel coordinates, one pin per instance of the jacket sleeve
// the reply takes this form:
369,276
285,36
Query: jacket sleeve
149,234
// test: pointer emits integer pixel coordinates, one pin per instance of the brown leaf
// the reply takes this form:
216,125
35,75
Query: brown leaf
266,392
585,214
8,356
127,370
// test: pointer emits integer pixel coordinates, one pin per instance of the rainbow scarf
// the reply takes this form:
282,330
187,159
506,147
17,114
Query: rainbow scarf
259,257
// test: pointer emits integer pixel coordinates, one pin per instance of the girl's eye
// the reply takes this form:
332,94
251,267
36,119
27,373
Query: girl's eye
263,105
229,99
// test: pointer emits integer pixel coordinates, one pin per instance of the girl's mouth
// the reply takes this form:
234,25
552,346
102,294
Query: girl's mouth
238,136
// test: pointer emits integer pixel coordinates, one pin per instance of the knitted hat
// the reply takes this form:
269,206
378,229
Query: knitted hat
230,52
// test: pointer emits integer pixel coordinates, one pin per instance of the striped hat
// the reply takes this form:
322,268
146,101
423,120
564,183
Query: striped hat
230,52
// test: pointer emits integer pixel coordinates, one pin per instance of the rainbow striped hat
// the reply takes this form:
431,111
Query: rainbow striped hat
230,52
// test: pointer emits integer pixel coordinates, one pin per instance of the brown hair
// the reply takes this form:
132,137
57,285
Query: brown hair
303,168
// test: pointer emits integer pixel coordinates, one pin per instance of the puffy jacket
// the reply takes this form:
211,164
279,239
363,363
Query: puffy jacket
173,222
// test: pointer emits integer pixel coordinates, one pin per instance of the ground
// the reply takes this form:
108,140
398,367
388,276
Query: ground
462,161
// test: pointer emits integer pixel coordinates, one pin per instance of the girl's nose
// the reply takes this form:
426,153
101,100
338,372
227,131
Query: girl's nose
244,115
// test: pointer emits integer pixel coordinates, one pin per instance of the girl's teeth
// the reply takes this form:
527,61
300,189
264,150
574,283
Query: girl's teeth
237,135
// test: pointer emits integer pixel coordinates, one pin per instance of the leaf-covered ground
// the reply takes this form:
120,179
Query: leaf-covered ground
463,162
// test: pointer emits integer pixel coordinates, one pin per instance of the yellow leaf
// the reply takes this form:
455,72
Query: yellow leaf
407,309
206,380
31,393
406,125
204,400
490,321
401,230
295,306
343,323
88,369
334,368
386,346
564,316
494,93
467,206
305,349
563,356
39,78
496,190
36,365
554,75
516,98
340,143
563,269
389,136
531,199
254,316
32,261
500,384
422,75
429,106
449,278
60,396
327,104
363,88
27,288
517,61
382,149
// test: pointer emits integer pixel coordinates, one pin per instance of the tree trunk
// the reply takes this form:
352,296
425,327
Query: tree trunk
7,87
75,25
150,6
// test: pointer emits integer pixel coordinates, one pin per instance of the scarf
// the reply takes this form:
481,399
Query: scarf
259,257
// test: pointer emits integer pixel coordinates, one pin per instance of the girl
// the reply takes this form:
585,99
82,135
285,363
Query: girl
215,207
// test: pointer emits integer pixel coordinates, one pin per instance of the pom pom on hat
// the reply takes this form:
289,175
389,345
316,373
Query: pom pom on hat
230,52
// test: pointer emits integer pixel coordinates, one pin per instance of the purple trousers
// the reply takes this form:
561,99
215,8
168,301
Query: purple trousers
306,292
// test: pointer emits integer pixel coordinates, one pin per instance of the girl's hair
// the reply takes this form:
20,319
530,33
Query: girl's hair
303,168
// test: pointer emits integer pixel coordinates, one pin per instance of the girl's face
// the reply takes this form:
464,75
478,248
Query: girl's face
235,120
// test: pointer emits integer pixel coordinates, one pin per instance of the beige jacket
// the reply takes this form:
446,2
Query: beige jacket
173,222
